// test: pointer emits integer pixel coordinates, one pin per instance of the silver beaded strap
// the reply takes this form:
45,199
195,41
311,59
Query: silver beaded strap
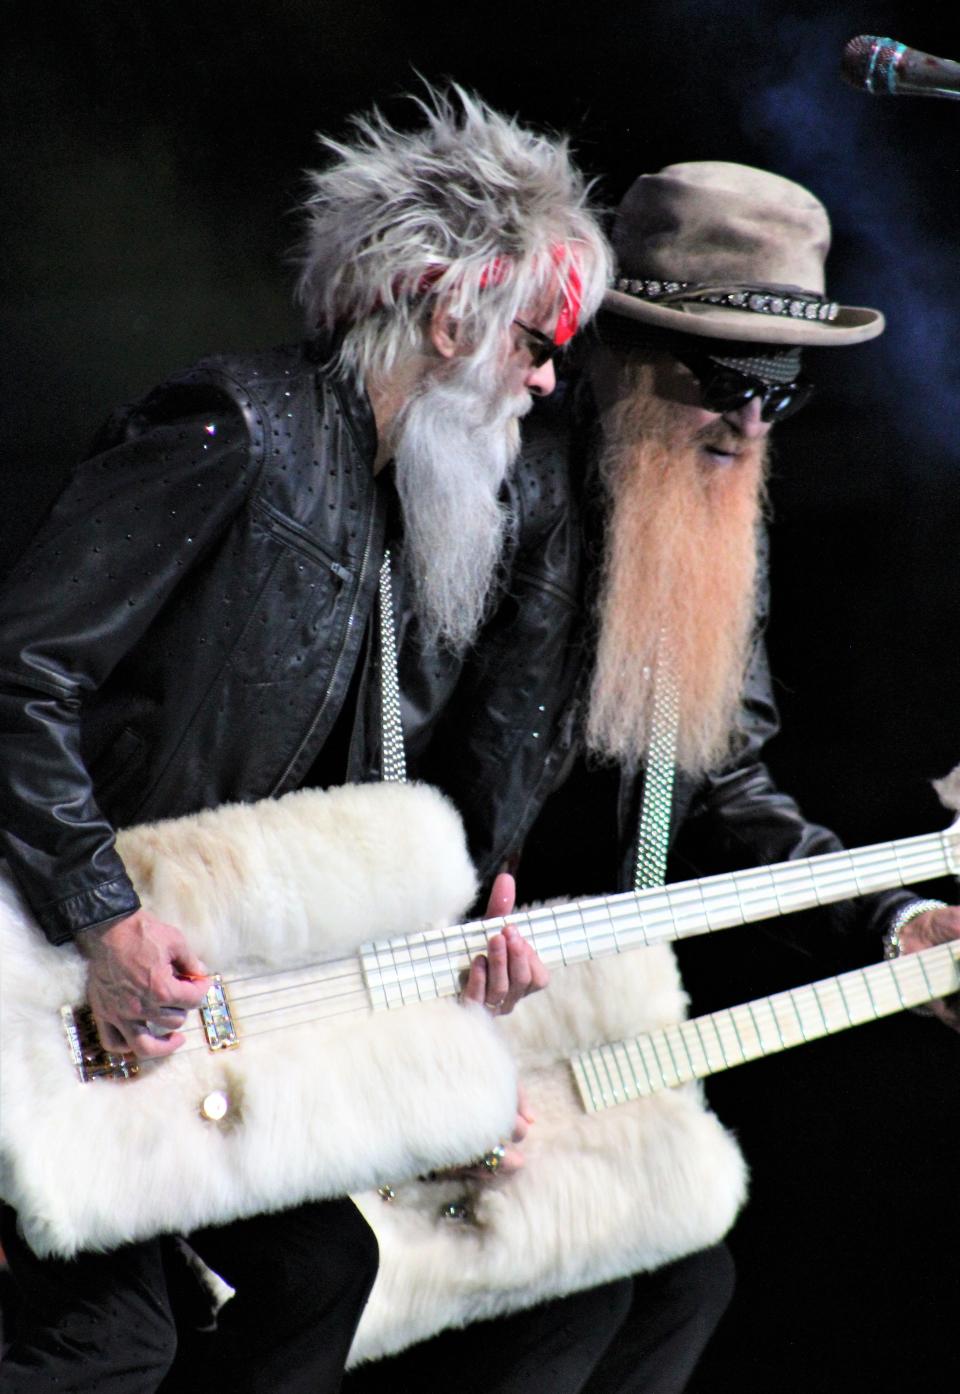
794,304
394,763
653,837
892,947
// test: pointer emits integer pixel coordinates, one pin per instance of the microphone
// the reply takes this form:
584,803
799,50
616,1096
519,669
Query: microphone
885,67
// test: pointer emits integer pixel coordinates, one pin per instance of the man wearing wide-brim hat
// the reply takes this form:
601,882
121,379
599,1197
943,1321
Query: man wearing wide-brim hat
696,356
719,287
662,439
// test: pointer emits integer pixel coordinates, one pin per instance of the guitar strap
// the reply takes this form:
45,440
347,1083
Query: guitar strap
653,835
394,762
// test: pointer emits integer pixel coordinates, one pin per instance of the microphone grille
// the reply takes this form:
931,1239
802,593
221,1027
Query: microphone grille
869,63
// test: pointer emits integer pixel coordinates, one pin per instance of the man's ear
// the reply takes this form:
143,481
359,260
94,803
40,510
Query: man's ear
444,331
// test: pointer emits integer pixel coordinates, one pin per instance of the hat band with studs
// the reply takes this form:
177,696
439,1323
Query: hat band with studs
802,305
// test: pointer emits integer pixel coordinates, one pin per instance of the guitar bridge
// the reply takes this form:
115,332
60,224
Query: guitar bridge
216,1018
90,1059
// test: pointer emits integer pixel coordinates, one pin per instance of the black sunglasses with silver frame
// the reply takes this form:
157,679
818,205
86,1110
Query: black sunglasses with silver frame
723,388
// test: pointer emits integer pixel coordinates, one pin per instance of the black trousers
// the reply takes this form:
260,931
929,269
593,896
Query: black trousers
641,1335
102,1323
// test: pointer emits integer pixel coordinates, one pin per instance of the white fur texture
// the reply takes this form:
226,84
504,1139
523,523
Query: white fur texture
600,1196
319,1110
948,789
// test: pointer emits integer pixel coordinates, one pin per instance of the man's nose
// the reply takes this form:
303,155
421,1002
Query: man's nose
541,381
747,420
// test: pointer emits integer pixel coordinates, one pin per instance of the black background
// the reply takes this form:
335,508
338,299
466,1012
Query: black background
152,156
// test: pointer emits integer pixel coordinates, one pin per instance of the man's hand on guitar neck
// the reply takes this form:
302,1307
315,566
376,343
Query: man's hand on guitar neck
143,979
925,931
511,968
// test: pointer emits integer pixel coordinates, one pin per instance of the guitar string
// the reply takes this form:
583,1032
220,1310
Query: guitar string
905,855
437,973
725,1020
426,968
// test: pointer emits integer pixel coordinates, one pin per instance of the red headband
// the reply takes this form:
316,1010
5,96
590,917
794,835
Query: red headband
496,272
569,318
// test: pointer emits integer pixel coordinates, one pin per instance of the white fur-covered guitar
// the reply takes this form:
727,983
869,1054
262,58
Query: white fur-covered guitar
625,1169
294,1083
292,1087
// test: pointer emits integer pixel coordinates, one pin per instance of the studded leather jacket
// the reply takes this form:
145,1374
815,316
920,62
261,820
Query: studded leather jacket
192,617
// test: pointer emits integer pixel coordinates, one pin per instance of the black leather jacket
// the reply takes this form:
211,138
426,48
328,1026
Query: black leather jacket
185,627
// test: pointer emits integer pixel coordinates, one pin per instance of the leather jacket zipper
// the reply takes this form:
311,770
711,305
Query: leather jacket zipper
302,543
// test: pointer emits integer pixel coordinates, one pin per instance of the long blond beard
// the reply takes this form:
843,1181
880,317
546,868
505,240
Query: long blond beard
680,561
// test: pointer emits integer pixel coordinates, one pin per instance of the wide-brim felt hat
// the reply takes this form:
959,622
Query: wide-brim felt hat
725,251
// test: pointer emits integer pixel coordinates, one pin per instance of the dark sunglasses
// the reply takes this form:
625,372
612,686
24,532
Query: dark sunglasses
726,389
540,346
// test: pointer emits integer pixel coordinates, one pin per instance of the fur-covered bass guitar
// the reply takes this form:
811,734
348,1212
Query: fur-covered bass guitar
292,1084
625,1168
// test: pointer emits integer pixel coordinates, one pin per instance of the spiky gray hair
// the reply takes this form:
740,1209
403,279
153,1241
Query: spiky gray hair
471,211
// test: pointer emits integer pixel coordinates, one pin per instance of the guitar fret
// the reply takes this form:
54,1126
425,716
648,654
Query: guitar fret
868,986
820,1026
842,989
622,1083
898,987
703,1045
653,1058
721,1023
771,1027
830,1005
585,1076
676,1036
926,979
748,1038
665,1064
613,929
668,1039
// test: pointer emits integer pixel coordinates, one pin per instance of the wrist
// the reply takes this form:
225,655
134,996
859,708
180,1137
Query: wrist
892,944
99,938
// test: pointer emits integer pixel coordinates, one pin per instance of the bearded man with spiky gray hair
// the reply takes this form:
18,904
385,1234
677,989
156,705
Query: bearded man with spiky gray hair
216,643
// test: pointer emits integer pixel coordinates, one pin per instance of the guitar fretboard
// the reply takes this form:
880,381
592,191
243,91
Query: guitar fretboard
424,966
613,1074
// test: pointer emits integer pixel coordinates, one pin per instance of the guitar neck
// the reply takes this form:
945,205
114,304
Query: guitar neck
608,1075
429,965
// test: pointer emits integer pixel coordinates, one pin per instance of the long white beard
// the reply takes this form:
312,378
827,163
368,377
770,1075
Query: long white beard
456,440
680,560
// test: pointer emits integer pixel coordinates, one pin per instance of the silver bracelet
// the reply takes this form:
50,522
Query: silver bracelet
892,947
